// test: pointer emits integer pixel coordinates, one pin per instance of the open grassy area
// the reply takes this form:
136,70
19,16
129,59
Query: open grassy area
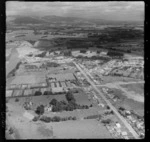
138,88
68,129
111,79
80,129
82,99
127,103
79,114
28,79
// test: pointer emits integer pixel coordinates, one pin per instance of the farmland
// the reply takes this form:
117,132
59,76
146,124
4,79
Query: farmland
127,103
74,78
78,130
136,88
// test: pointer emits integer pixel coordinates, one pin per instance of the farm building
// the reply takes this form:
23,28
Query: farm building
24,86
57,84
68,84
52,85
60,84
18,86
27,92
9,93
12,86
57,89
44,84
63,84
17,93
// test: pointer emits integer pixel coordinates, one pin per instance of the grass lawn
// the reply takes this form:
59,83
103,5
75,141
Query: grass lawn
129,104
137,88
110,79
80,129
82,99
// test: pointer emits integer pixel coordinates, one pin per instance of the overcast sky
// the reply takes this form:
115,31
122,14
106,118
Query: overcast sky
99,10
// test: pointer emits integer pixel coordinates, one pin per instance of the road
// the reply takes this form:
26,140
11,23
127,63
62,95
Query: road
108,103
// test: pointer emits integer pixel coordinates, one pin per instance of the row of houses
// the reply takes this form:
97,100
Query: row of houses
136,121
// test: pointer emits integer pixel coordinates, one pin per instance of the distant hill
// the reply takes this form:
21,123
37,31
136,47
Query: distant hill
58,19
27,20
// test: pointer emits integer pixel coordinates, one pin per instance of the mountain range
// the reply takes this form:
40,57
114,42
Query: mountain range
17,19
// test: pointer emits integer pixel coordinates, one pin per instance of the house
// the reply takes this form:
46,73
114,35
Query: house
9,93
48,108
13,86
128,112
118,125
17,92
27,92
24,86
57,89
124,133
102,105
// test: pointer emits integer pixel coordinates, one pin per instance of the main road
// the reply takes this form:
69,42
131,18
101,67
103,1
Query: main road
136,136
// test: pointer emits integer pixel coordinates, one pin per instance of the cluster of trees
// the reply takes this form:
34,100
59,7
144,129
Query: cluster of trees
58,106
11,131
41,55
108,107
45,33
109,112
40,110
52,64
56,119
106,121
78,43
20,36
114,54
47,93
116,35
67,53
94,58
82,51
16,100
35,32
38,93
93,116
113,38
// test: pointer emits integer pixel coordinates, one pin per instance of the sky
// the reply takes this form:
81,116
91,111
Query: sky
123,10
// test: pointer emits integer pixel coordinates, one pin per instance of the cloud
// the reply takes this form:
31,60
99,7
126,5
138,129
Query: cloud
114,10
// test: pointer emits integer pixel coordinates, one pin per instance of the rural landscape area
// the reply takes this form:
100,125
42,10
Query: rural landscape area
69,76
